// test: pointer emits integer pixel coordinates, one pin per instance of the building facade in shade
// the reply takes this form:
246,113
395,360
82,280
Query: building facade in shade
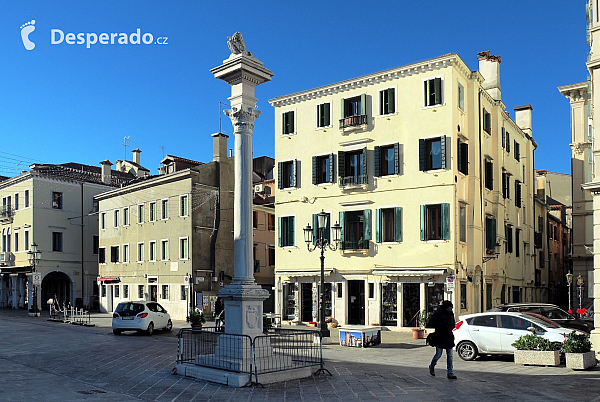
428,176
53,207
263,229
167,238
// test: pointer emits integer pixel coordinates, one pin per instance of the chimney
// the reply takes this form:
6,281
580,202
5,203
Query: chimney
541,188
136,156
523,118
106,171
489,67
219,146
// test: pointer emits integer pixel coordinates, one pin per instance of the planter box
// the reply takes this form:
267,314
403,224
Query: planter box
580,361
537,357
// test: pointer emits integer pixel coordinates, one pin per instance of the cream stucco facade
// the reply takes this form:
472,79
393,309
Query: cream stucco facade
418,164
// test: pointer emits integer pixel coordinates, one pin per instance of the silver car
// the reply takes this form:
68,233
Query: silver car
140,316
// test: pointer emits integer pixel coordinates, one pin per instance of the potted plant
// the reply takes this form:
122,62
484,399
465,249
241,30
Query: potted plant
578,351
196,318
534,350
422,320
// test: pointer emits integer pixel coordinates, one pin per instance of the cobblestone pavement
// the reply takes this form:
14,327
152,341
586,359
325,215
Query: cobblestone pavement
49,361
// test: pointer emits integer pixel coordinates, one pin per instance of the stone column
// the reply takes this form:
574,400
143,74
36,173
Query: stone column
243,297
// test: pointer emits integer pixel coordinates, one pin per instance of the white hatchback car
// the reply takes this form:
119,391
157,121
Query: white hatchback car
495,332
140,316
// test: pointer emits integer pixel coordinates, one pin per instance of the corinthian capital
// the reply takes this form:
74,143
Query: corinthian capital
243,120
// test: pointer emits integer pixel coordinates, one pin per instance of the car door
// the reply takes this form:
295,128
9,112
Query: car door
162,314
485,332
512,328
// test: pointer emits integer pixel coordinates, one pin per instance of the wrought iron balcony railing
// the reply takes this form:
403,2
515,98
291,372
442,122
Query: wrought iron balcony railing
353,121
353,180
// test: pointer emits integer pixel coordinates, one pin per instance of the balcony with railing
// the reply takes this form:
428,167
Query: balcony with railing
353,246
6,214
356,180
353,121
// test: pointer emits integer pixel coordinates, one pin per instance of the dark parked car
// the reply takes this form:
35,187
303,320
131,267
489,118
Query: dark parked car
551,311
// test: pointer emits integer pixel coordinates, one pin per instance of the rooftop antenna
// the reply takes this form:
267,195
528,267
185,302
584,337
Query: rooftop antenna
126,140
163,151
221,115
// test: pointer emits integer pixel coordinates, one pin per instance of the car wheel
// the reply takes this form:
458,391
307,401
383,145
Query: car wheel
467,350
150,329
169,326
117,331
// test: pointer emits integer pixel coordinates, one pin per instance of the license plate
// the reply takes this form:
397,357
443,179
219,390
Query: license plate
127,318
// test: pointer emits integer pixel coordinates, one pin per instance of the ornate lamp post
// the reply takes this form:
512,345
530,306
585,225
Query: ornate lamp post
579,290
569,282
34,255
321,242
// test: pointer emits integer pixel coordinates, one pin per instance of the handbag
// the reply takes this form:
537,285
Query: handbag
431,339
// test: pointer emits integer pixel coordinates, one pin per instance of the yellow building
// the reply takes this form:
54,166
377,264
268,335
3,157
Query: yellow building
428,176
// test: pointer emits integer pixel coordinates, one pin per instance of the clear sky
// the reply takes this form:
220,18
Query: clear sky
69,103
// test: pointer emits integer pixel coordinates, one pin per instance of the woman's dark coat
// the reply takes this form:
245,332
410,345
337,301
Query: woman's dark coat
443,322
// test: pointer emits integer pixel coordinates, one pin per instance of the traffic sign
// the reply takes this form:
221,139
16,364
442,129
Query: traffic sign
450,283
186,279
37,279
221,284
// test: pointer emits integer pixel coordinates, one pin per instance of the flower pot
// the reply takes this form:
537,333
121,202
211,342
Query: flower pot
580,361
418,333
197,326
537,357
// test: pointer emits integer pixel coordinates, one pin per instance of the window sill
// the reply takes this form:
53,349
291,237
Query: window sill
288,188
379,116
288,247
324,184
434,106
324,127
288,135
351,129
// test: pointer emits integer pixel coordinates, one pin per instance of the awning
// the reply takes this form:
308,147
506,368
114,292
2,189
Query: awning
24,269
109,279
393,271
305,272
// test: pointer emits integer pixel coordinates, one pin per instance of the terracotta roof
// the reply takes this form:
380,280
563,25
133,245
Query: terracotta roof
179,159
80,172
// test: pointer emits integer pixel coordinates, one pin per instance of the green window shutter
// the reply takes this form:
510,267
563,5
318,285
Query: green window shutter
465,157
363,104
507,142
315,225
291,122
319,115
341,164
284,119
391,100
488,122
423,222
342,221
291,231
327,115
279,175
343,109
364,154
378,225
443,150
438,91
422,155
315,166
377,160
426,92
327,234
397,158
398,223
382,95
503,137
279,231
445,221
294,173
367,229
459,152
331,178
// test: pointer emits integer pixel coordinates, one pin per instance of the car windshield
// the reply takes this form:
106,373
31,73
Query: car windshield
538,321
556,314
125,309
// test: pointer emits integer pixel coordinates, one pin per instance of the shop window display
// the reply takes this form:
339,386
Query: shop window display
389,304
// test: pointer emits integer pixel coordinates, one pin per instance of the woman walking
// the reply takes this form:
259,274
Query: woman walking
443,322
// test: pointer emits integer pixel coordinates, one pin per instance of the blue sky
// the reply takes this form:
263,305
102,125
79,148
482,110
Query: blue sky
67,103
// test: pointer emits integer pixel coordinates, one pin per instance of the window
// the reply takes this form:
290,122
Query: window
140,252
116,219
152,211
271,256
164,250
26,240
102,255
16,241
461,97
517,194
255,219
183,205
287,174
103,220
435,222
114,254
57,241
95,244
141,213
182,292
16,201
489,174
164,209
271,221
388,224
432,153
463,157
152,251
287,122
125,216
518,243
462,216
484,321
487,122
165,292
354,111
117,291
324,115
371,290
125,252
183,248
463,296
433,92
103,291
508,232
387,160
505,185
286,231
57,200
490,234
125,291
322,169
356,229
141,292
26,198
387,101
352,167
517,151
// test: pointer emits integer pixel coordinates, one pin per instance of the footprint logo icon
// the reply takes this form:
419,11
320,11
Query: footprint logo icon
26,29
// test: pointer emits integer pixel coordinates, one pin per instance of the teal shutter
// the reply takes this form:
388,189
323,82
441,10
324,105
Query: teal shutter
320,115
363,104
443,151
377,157
294,173
291,231
378,225
503,137
391,100
507,142
291,122
279,231
279,175
382,95
342,221
445,221
426,92
367,228
423,222
341,164
397,158
327,115
315,228
422,155
438,91
398,223
343,111
364,154
315,166
331,178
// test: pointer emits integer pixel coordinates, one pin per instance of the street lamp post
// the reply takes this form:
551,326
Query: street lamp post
579,290
321,242
34,255
569,282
